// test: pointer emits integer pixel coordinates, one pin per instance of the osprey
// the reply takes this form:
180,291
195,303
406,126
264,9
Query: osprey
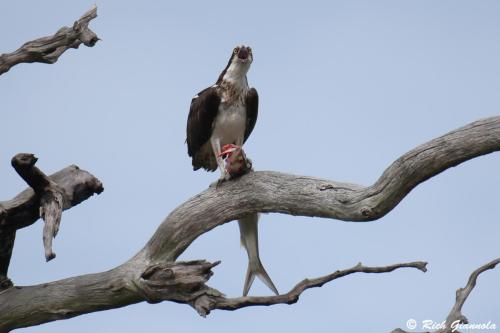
225,114
222,114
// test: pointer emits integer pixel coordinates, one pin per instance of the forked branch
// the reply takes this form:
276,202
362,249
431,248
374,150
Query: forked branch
455,318
47,198
208,302
153,275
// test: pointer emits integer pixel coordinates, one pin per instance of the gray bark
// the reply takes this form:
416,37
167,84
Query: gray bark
275,192
49,49
61,191
153,275
50,194
455,317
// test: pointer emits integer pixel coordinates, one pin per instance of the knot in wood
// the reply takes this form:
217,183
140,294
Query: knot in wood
5,283
367,212
24,160
158,272
325,187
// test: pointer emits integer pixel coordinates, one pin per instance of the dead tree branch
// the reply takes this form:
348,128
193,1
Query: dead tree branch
275,192
48,197
455,317
51,197
135,281
48,49
153,275
210,301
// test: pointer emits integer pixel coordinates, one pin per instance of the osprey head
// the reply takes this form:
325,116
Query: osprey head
238,65
242,54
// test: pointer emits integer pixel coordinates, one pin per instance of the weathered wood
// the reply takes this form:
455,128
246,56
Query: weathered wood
7,239
135,281
33,305
455,317
64,189
23,210
51,198
151,274
218,302
49,49
275,192
127,284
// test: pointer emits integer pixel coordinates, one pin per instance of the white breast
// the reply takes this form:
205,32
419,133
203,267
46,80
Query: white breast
230,123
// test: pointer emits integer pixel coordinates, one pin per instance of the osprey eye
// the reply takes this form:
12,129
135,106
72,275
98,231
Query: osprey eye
235,50
249,49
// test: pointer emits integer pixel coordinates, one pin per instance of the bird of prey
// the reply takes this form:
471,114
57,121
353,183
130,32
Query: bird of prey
225,114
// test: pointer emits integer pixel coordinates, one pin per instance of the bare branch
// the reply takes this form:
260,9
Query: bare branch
178,281
293,295
50,211
267,191
51,197
7,239
64,189
76,184
49,49
455,317
153,275
133,282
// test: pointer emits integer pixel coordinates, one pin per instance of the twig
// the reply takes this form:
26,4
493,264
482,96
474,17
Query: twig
455,317
291,297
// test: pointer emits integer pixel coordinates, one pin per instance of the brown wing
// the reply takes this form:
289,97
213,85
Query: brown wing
252,102
202,114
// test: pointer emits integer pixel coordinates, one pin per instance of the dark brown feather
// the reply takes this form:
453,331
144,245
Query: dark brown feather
202,114
252,103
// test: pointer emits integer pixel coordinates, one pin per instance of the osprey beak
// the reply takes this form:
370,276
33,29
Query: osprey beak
243,53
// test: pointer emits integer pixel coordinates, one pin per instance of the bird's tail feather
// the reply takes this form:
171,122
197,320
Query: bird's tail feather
250,240
256,269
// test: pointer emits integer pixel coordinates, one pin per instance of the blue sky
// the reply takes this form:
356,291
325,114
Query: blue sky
345,88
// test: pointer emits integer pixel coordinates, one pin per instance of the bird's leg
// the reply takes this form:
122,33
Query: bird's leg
248,167
220,162
239,142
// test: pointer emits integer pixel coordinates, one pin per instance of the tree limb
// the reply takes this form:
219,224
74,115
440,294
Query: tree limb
275,192
455,317
135,281
49,49
7,239
51,198
61,191
293,295
146,276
